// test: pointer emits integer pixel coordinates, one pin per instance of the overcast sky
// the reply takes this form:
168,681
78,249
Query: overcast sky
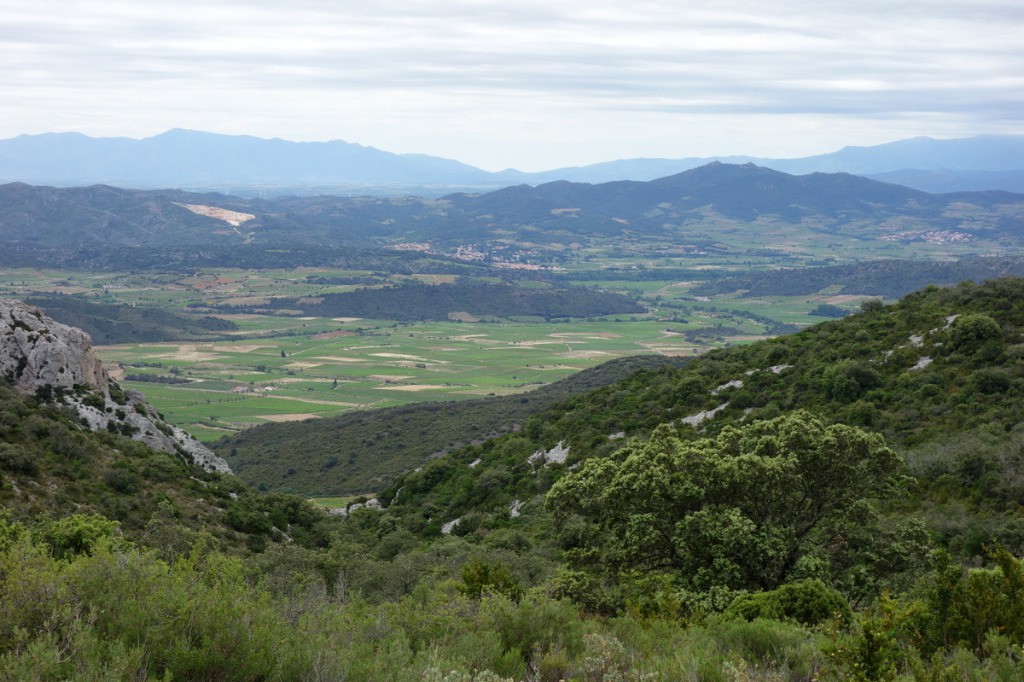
519,83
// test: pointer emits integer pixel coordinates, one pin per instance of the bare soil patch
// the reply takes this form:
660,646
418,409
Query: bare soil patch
295,417
414,388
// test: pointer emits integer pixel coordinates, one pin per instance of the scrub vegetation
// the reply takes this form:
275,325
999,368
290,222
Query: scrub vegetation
843,510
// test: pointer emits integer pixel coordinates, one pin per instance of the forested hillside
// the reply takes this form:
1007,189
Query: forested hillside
710,199
886,278
106,323
940,376
439,302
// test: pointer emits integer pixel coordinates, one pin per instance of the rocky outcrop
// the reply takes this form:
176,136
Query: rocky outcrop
43,357
35,350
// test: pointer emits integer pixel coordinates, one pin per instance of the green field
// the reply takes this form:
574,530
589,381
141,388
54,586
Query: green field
284,368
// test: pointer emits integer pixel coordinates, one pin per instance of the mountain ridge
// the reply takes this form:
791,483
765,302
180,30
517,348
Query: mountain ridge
556,212
249,164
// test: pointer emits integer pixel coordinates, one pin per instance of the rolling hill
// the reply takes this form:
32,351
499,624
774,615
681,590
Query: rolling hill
702,205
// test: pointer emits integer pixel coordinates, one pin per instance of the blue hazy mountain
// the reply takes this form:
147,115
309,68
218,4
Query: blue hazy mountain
248,165
187,158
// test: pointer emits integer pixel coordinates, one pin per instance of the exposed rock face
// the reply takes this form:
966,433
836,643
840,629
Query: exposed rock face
41,356
36,350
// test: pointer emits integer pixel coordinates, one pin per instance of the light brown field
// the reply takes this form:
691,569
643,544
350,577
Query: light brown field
296,417
585,335
239,348
476,338
398,356
191,356
234,218
410,387
585,354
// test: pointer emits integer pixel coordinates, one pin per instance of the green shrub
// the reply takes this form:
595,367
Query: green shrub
15,460
94,399
76,534
480,577
970,332
117,393
769,649
534,626
968,604
810,602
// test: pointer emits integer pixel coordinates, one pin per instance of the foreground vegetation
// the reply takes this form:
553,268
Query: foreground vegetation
851,513
78,601
113,610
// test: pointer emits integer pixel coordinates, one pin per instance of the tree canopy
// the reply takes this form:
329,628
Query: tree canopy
746,510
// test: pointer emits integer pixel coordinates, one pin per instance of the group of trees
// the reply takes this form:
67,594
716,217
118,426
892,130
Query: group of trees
746,511
436,302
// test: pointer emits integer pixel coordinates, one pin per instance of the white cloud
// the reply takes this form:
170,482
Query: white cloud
533,84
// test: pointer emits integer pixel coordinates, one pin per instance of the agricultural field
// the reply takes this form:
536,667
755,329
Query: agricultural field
287,367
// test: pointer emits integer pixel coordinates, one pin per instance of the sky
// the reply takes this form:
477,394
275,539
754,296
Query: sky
518,83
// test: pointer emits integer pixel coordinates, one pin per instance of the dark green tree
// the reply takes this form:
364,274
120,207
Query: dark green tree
746,510
971,332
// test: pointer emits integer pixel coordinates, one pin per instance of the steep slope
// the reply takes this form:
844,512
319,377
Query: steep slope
52,467
44,358
73,443
940,375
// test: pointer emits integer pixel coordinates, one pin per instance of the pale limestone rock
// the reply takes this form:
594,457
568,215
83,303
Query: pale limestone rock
372,503
735,383
556,455
36,350
695,420
922,362
42,356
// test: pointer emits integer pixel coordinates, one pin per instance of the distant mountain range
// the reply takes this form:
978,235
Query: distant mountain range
253,166
698,204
